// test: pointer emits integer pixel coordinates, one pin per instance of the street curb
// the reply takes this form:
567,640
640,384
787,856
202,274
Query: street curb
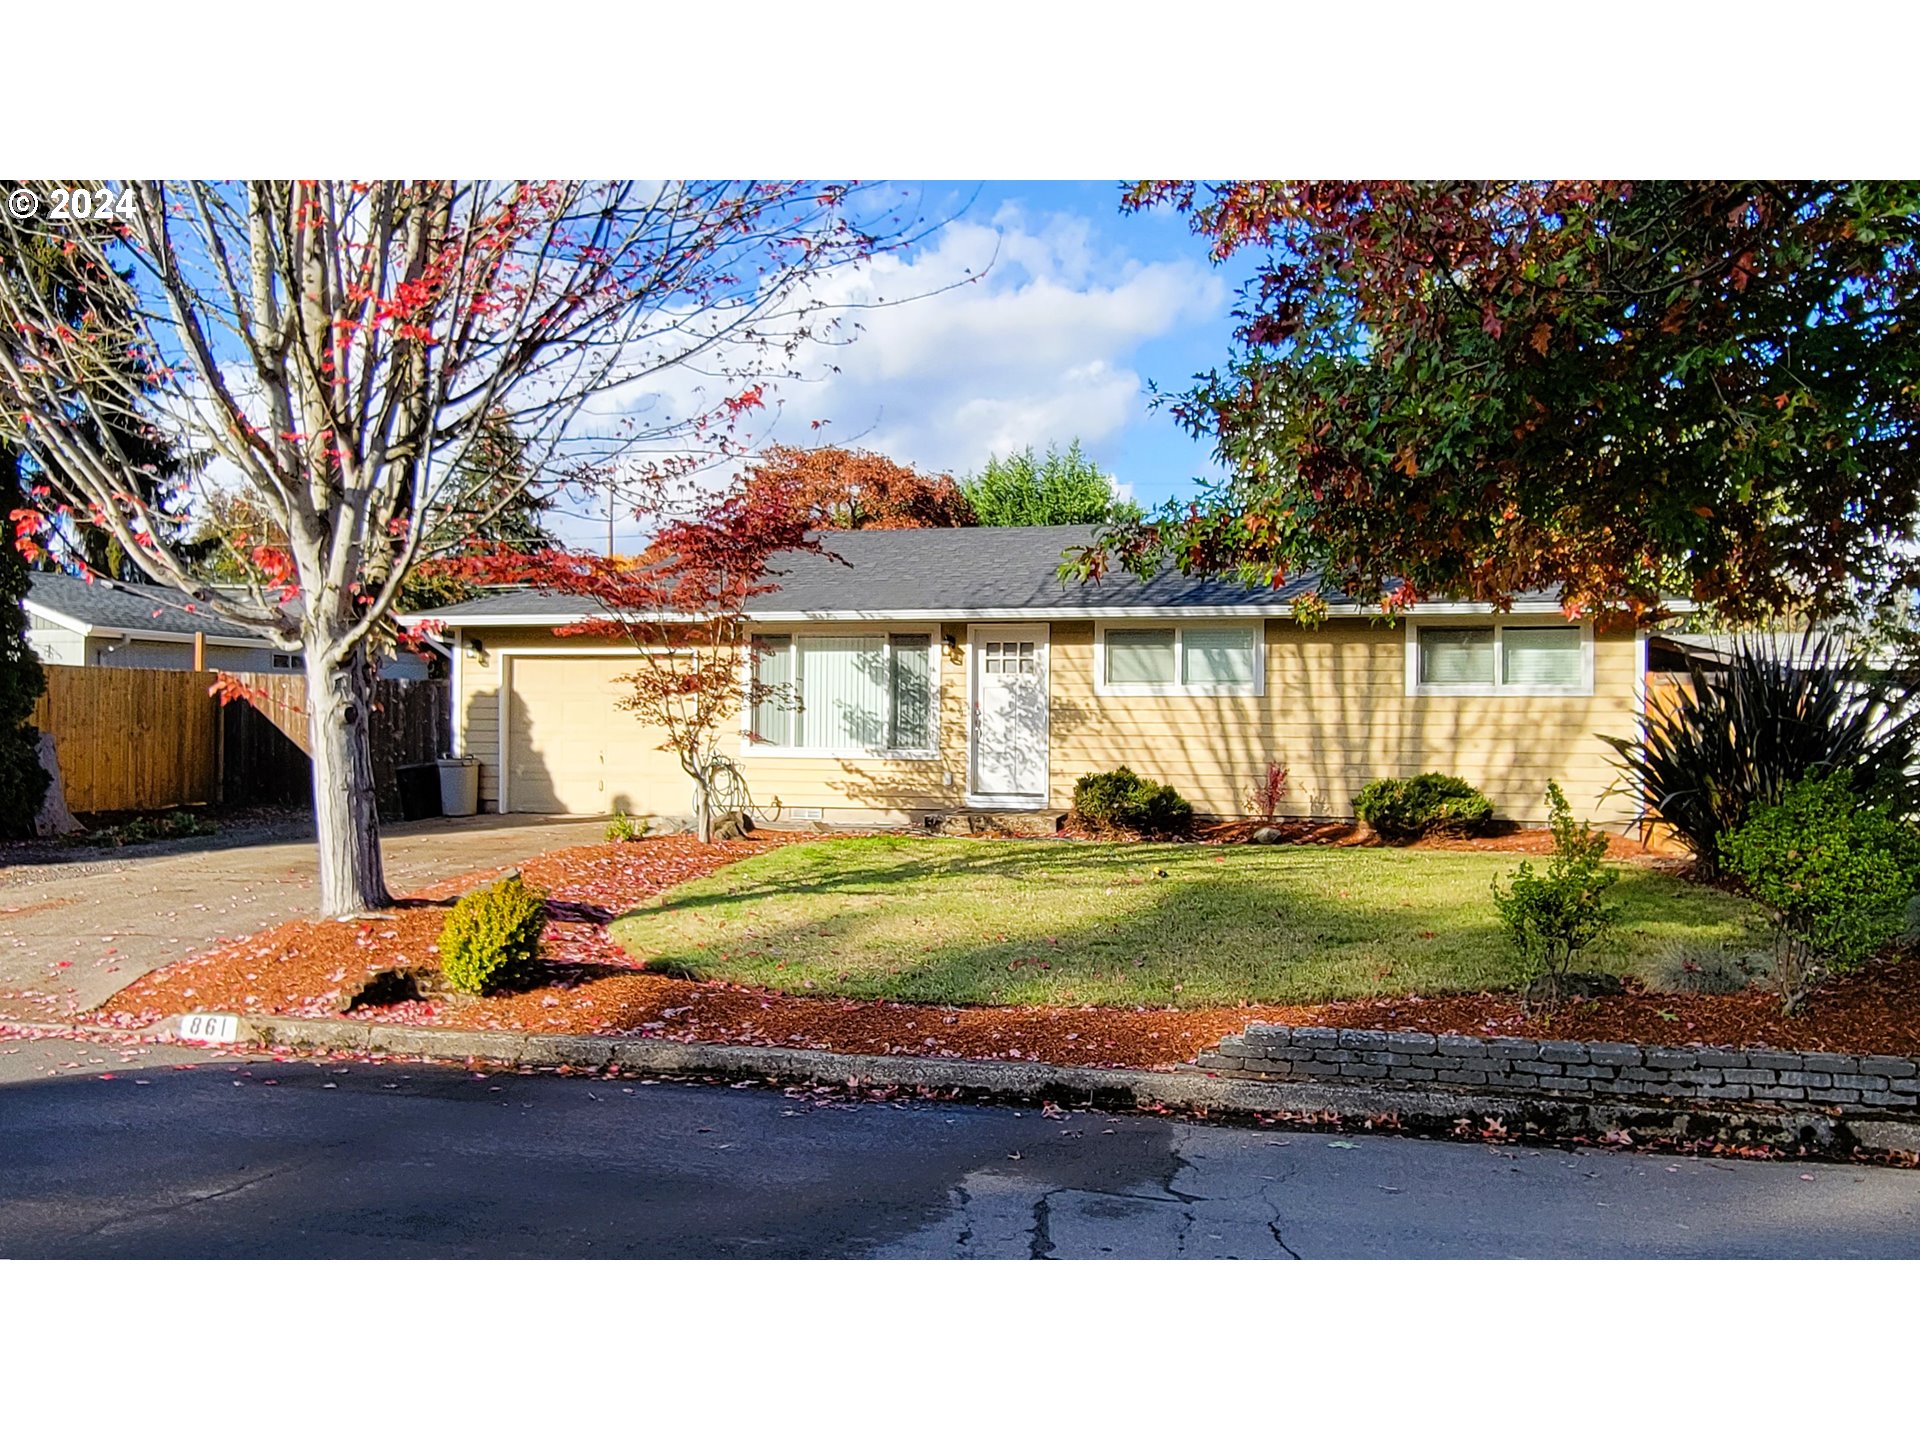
1426,1111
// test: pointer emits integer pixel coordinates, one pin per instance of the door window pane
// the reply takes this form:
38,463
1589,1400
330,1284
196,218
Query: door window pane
912,692
1540,655
1456,657
1217,655
773,717
843,684
1139,657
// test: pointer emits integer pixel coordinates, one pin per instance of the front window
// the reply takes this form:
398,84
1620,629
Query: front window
1140,657
1180,660
1500,658
838,694
1456,657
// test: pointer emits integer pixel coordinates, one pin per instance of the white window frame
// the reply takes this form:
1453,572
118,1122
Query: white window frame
1415,686
749,745
1101,686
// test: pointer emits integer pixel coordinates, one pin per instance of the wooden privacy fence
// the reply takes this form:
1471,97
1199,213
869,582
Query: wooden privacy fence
265,741
151,739
132,739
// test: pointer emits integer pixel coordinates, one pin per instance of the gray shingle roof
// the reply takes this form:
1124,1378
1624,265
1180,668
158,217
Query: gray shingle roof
119,606
941,573
952,571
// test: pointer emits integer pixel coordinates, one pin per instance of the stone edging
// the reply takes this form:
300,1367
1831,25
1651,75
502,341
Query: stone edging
1573,1069
1430,1110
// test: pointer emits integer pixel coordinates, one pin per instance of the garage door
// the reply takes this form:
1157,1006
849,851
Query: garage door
572,751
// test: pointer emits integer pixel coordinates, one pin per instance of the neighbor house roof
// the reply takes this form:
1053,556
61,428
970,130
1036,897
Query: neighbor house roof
117,609
976,573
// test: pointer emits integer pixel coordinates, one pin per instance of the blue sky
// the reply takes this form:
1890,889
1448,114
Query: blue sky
1077,308
1145,449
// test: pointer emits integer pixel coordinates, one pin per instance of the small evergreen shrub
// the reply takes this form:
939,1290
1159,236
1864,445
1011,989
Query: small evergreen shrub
623,828
1836,871
492,938
1121,800
1551,916
1429,804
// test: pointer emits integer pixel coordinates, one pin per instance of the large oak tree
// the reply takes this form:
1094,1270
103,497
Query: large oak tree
1613,390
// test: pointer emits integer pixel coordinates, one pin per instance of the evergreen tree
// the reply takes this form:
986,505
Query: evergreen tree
154,469
1056,489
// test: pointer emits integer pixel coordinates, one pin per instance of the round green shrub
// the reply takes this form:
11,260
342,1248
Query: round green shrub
1121,800
1836,870
1429,804
492,938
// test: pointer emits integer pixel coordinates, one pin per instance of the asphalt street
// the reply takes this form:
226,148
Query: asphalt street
154,1151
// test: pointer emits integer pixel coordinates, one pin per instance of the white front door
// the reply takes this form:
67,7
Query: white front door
1009,729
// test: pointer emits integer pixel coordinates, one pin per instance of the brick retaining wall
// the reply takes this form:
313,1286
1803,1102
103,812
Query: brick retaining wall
1571,1069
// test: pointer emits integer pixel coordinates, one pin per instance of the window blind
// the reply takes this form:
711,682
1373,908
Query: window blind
1540,655
1456,657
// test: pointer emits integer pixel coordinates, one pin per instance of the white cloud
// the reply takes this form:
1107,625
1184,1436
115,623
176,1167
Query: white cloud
992,336
1037,349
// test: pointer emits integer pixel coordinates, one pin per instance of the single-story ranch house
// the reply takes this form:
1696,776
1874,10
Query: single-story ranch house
945,670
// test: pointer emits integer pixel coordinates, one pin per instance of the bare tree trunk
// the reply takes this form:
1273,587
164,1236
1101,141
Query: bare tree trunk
346,815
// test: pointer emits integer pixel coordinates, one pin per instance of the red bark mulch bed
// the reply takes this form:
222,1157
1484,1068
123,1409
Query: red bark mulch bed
592,986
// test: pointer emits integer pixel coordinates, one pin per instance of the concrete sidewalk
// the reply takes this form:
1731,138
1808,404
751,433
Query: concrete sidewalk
72,933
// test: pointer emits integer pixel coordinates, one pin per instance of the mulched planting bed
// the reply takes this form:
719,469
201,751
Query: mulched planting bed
592,986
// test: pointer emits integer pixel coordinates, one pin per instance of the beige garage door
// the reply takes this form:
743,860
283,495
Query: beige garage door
572,751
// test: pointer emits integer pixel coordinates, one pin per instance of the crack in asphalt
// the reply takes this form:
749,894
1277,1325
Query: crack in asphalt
156,1211
1273,1221
966,1200
1273,1228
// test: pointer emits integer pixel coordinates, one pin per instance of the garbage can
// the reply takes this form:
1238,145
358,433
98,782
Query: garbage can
419,787
459,785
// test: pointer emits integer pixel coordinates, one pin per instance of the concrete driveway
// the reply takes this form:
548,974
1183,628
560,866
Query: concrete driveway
76,926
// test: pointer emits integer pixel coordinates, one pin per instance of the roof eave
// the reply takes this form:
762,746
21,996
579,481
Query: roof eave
1017,612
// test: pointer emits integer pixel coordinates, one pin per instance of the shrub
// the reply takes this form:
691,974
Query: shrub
623,828
1693,967
492,938
1121,800
1099,798
1551,917
1740,737
1836,872
1429,804
1263,799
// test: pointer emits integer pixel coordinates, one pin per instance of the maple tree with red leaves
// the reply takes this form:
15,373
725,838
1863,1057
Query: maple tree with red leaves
1615,390
841,489
680,606
343,350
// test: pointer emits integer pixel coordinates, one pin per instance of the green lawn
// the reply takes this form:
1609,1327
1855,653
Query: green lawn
1042,922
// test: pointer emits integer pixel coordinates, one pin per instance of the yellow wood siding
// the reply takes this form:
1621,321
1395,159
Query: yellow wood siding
1336,711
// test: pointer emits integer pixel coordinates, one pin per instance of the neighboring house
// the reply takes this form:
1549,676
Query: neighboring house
72,621
941,670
